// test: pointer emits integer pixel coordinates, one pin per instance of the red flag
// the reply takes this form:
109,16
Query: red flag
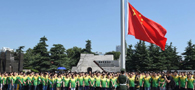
145,29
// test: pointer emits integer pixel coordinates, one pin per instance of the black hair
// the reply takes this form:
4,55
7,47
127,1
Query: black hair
122,72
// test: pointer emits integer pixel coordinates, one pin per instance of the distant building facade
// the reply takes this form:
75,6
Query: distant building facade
91,62
8,62
118,48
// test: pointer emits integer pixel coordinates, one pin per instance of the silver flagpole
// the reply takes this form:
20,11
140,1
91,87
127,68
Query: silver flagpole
127,17
122,35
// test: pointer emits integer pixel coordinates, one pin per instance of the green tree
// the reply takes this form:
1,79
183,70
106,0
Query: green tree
58,57
18,52
157,57
137,57
129,60
189,56
20,49
43,62
31,59
74,55
87,47
114,53
146,61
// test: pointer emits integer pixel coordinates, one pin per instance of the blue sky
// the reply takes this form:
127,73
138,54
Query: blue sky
72,22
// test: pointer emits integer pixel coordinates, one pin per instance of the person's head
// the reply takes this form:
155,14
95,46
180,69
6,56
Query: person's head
98,74
147,74
189,75
168,73
175,73
182,74
155,74
131,75
52,76
59,75
6,74
122,71
24,74
108,76
92,75
86,75
73,76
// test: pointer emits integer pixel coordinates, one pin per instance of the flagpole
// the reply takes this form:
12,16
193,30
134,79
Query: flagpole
127,17
122,35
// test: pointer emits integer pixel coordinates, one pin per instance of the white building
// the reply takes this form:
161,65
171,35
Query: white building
118,48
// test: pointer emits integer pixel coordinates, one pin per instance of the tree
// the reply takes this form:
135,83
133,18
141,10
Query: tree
129,60
189,56
116,54
29,58
58,57
136,57
176,59
146,61
18,52
87,47
42,62
74,55
157,57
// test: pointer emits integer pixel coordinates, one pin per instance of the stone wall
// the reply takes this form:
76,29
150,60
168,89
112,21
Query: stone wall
86,61
9,64
112,69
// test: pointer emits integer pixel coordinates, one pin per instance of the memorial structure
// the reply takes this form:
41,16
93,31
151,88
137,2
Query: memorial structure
8,62
92,63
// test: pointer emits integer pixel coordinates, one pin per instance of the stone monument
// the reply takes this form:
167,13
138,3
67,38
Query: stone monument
8,62
91,62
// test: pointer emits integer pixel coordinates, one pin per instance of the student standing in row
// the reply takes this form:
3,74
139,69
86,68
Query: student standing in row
81,82
92,82
190,82
183,82
146,82
162,83
66,81
131,84
155,80
73,83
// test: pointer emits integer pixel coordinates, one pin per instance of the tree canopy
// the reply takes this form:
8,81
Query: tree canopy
139,57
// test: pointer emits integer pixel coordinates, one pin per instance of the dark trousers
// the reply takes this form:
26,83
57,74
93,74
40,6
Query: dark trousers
168,88
97,88
141,88
29,87
25,87
92,88
131,88
103,89
40,86
109,89
176,88
182,88
154,88
65,88
5,87
86,87
189,89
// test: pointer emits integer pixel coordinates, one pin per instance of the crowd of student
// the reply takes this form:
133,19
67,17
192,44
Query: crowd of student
95,81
